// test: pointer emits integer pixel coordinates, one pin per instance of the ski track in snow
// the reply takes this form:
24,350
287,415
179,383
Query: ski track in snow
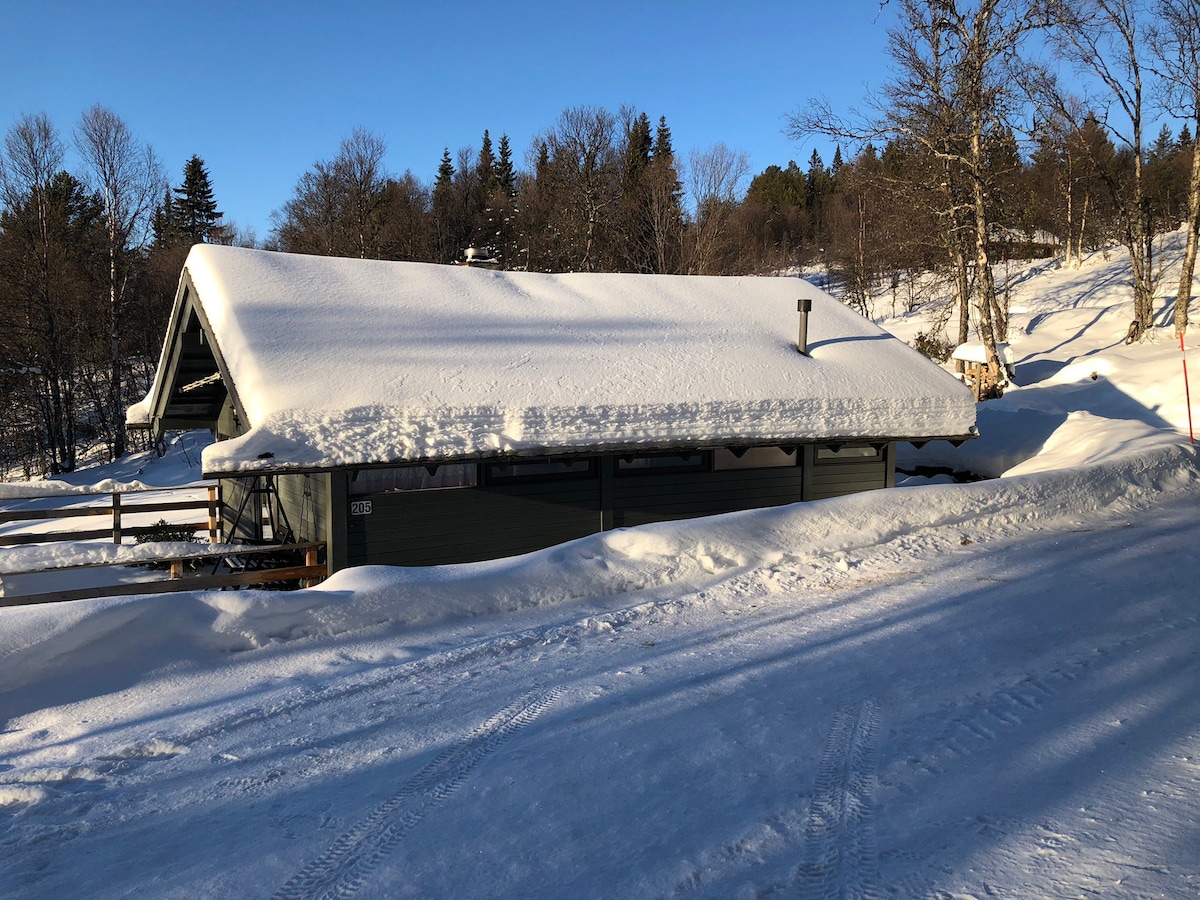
343,869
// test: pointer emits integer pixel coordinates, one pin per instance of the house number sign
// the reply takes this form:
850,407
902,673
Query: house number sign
360,507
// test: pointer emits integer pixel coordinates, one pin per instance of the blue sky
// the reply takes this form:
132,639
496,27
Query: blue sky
263,90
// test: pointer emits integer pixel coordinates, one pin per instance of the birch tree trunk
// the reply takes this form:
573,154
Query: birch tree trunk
1184,293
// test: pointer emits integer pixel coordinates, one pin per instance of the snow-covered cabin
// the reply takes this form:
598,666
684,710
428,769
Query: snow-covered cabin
409,413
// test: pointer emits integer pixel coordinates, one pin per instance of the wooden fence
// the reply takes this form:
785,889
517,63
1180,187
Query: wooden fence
115,509
243,564
237,560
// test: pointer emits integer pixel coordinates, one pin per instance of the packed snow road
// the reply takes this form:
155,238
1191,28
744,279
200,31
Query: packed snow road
945,713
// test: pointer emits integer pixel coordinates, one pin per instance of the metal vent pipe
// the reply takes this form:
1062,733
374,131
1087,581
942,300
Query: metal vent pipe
804,307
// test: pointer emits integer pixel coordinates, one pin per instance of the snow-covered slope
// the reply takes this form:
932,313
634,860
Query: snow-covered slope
987,689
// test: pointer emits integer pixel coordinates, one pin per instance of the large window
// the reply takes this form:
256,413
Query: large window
539,470
414,478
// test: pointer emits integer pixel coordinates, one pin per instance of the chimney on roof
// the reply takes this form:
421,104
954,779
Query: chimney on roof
804,307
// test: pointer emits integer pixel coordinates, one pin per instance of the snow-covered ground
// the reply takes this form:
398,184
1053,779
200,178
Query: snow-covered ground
942,690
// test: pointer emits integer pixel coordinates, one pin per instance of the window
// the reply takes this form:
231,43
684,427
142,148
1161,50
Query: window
540,469
414,478
753,458
660,463
856,453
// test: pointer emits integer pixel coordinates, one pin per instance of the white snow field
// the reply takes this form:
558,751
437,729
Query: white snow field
943,690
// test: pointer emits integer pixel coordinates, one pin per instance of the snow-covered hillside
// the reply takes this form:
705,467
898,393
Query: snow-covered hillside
942,690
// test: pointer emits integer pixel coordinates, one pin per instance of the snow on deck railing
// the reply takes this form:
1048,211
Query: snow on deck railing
116,509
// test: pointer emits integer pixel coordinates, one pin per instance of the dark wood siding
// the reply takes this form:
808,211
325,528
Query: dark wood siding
639,499
834,478
491,520
470,524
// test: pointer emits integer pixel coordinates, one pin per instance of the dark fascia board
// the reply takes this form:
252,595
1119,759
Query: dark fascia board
186,304
267,468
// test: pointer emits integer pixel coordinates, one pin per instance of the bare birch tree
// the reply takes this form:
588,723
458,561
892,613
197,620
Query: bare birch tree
33,343
129,179
583,178
1104,39
1177,48
953,88
715,177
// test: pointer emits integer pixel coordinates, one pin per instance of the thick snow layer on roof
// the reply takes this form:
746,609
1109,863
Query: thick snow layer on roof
344,362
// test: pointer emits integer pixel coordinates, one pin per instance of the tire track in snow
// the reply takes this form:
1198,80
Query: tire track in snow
342,869
840,856
556,634
949,735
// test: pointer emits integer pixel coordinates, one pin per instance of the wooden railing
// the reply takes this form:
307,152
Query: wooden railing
116,508
305,575
236,560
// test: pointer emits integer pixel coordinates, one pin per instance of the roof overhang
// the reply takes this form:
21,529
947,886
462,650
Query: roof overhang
266,465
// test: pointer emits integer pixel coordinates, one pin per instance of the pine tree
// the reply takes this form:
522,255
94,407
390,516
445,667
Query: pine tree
638,148
506,176
632,220
662,140
1163,146
666,196
818,185
164,224
485,168
195,210
445,174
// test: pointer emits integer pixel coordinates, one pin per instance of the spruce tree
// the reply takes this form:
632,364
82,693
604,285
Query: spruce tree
485,168
638,148
662,140
163,224
506,176
666,192
195,210
445,174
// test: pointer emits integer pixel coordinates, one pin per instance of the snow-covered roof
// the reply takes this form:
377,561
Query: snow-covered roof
340,362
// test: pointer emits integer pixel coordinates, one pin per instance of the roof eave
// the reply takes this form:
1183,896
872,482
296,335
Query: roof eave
268,466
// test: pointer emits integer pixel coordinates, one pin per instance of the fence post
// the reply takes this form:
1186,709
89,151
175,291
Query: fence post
213,509
311,558
116,511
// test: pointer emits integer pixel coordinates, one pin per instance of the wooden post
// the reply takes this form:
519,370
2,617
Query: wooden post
116,516
176,568
214,534
310,559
